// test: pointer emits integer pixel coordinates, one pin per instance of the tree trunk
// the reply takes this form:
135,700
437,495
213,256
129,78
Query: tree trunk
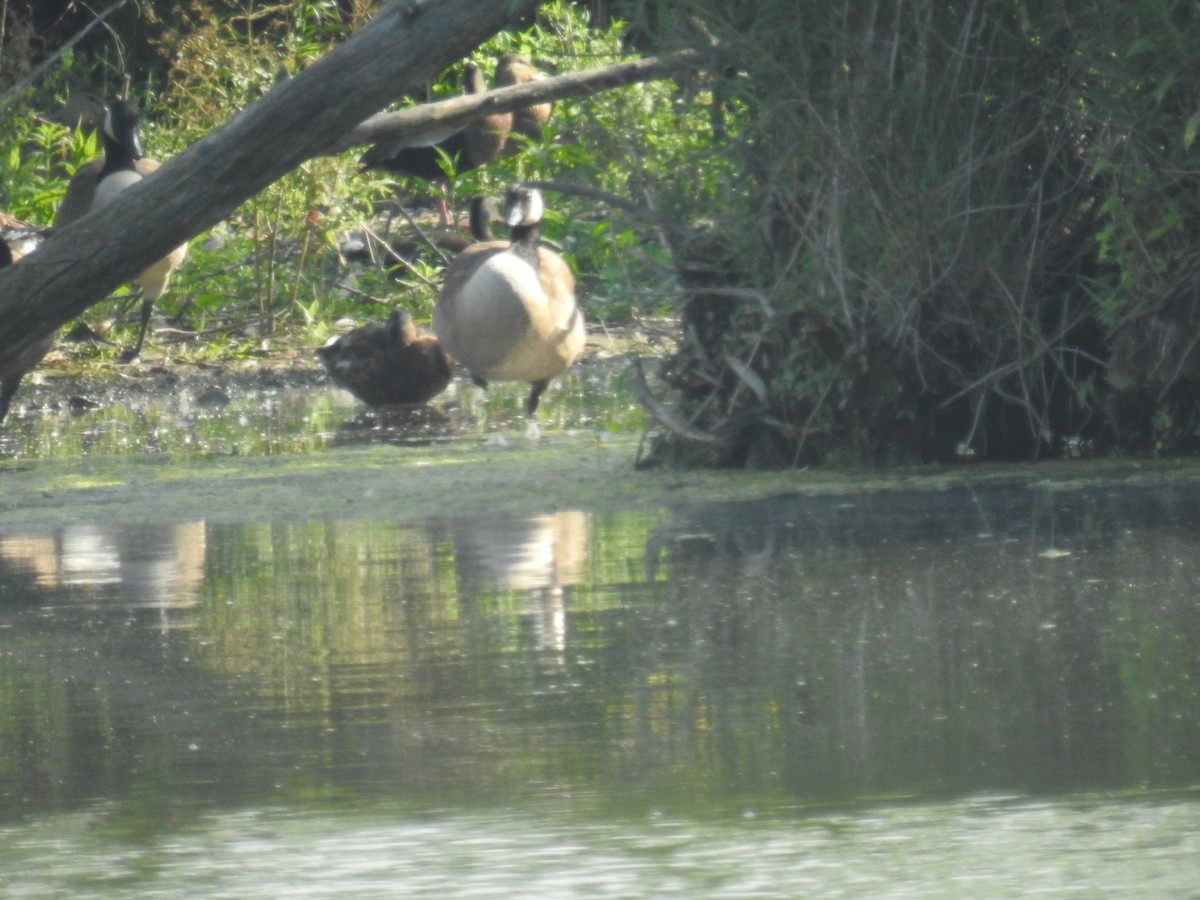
408,42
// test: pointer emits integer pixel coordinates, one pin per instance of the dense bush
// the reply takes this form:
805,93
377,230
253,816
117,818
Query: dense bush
973,232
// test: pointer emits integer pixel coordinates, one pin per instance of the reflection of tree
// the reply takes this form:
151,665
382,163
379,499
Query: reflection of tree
818,648
855,645
97,702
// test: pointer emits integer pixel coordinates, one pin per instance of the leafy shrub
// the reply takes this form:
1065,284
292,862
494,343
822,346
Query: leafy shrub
954,216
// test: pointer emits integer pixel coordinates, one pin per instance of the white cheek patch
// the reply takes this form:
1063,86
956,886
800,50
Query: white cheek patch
536,208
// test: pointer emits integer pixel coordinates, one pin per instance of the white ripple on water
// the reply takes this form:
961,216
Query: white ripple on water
984,847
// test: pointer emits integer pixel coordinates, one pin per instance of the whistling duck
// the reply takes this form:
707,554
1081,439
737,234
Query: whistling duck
515,68
507,309
94,185
474,145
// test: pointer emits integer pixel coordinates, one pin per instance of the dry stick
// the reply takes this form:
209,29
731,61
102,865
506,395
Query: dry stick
391,251
666,416
40,69
424,235
633,209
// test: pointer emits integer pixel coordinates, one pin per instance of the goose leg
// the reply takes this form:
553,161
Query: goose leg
133,352
535,394
7,389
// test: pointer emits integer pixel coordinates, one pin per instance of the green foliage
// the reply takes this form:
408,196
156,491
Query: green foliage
648,145
889,231
38,156
968,227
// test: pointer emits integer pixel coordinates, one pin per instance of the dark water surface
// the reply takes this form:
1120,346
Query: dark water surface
967,693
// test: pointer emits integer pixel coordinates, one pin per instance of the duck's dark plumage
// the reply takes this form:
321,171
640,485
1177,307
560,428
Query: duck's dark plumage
387,363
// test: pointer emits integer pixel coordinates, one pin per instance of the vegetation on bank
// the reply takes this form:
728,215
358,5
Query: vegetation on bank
904,231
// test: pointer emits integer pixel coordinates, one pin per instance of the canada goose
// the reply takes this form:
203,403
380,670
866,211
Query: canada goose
475,144
16,240
386,363
515,68
98,182
507,309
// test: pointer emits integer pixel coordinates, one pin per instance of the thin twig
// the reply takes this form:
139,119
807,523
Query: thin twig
13,92
396,256
665,416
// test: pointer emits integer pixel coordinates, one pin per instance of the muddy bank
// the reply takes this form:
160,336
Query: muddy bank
57,391
70,379
581,470
582,463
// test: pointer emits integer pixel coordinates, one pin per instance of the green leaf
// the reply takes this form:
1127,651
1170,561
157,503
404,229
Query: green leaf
1190,128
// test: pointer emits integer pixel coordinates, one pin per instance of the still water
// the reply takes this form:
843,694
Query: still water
988,692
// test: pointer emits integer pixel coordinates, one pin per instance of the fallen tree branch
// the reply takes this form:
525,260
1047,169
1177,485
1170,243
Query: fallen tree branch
430,118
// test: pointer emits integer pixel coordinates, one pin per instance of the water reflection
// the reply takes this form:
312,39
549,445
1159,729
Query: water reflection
157,414
707,660
536,557
153,566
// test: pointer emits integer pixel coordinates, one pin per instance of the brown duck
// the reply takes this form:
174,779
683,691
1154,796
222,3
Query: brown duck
515,68
387,363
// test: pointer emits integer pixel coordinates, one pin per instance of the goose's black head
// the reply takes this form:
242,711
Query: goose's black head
483,212
122,138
